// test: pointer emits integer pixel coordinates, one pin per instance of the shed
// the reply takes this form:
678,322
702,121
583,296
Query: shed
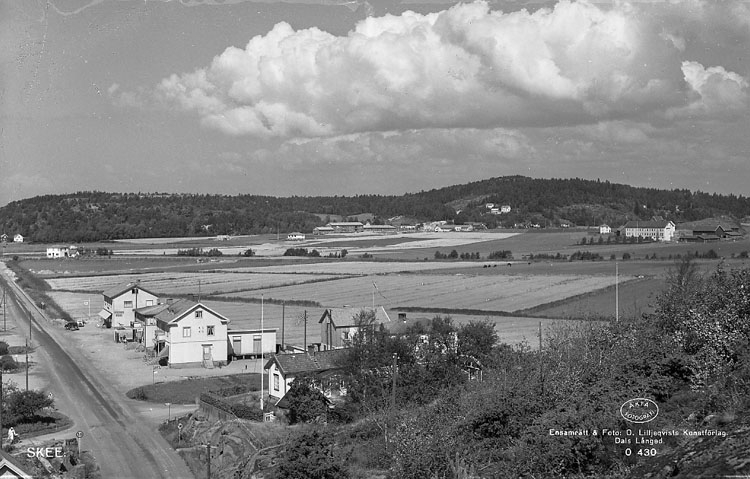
252,342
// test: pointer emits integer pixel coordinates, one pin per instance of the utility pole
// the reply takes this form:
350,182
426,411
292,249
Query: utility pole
1,408
208,447
283,306
27,366
393,386
541,359
261,359
305,334
617,292
4,309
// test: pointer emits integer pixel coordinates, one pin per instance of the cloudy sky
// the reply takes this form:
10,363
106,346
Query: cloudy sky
325,97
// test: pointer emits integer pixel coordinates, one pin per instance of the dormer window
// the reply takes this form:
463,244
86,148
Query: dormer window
199,314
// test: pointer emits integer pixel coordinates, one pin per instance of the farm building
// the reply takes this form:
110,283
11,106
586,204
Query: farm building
380,229
252,342
189,334
656,230
18,238
3,238
605,230
504,209
338,325
347,227
323,230
295,236
323,366
120,303
62,252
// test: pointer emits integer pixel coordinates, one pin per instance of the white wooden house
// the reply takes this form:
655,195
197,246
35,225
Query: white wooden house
120,303
189,334
323,366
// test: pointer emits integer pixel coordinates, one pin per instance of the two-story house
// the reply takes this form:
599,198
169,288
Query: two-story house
120,303
189,334
339,325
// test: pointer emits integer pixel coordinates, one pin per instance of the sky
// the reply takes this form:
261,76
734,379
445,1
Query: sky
346,97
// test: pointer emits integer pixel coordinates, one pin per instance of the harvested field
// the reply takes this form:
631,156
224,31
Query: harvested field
366,267
487,293
635,298
187,283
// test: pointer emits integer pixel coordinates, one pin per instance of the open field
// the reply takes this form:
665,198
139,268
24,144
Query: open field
367,267
204,283
488,293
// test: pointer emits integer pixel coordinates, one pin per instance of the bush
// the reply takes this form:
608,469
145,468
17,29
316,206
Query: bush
7,363
3,348
243,411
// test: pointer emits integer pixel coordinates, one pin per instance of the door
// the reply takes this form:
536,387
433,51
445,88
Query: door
207,352
237,345
256,344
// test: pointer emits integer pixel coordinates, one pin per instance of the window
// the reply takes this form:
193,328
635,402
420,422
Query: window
199,314
149,302
118,314
275,381
128,304
186,332
210,330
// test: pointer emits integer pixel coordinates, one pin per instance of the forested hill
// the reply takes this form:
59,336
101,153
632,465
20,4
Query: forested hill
92,216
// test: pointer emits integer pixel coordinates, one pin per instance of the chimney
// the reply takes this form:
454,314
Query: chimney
402,317
311,350
170,300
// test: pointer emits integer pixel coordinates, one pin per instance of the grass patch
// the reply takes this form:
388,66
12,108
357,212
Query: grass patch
39,425
188,390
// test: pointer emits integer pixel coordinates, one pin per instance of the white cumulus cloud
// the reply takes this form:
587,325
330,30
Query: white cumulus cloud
464,67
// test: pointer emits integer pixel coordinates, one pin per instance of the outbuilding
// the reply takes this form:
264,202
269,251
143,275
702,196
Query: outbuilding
252,342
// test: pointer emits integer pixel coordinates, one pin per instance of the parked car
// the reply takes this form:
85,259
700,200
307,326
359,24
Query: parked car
71,326
81,323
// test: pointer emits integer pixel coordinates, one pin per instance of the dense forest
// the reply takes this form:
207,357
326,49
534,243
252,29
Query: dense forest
429,420
96,216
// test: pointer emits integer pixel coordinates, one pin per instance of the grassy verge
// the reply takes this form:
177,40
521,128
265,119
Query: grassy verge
36,288
186,391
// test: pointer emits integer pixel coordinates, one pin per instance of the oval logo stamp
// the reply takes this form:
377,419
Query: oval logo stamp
639,410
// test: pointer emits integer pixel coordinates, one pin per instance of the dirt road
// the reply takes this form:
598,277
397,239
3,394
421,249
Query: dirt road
124,443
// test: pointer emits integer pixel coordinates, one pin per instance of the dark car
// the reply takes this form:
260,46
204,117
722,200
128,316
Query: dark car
72,326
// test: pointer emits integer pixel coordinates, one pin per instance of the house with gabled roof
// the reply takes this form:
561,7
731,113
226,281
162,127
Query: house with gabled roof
188,333
121,301
10,468
323,366
338,325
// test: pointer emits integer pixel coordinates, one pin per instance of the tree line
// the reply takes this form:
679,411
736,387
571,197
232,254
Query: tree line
95,216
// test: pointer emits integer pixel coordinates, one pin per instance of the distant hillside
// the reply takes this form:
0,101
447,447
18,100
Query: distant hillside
95,216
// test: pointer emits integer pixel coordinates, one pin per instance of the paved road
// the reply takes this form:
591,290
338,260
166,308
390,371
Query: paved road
125,444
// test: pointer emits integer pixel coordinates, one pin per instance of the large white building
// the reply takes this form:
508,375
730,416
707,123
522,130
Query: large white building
658,230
